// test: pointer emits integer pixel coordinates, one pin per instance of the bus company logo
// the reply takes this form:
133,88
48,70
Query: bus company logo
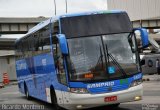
105,84
44,62
21,66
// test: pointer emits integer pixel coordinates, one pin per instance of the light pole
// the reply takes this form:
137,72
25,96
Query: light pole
55,8
66,6
107,4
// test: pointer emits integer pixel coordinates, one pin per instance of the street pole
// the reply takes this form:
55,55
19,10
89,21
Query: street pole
107,4
55,8
66,6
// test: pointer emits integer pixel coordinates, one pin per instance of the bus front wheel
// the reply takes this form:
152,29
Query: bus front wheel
54,100
114,105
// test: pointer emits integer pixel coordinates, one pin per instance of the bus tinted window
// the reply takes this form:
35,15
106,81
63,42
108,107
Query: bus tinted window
42,41
34,44
98,24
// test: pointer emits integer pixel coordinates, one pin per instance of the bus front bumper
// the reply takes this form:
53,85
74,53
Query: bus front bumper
81,101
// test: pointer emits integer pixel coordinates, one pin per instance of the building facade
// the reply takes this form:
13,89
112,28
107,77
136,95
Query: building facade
137,9
7,64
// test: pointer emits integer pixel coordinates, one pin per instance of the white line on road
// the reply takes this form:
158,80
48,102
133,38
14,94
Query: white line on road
9,93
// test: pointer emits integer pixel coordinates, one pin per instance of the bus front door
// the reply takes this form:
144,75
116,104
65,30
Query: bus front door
62,80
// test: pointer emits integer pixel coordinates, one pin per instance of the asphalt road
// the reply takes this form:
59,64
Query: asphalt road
151,99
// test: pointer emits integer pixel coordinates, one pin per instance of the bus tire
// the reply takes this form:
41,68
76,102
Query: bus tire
26,92
54,100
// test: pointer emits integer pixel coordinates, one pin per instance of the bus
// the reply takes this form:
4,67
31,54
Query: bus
84,60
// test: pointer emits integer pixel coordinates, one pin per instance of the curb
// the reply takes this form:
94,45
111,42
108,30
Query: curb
5,85
1,86
154,77
147,79
151,79
14,83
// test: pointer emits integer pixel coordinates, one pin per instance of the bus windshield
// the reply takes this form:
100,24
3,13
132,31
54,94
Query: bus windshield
90,57
122,53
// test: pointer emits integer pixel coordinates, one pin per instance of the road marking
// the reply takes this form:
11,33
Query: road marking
9,93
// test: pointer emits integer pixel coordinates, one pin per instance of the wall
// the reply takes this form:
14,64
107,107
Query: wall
137,9
7,64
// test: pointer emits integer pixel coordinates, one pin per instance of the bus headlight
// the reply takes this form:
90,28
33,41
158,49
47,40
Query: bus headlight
136,82
79,90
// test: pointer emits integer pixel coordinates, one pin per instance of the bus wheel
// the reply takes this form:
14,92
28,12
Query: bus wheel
27,93
54,100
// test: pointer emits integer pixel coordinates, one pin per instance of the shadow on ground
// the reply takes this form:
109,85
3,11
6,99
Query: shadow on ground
48,106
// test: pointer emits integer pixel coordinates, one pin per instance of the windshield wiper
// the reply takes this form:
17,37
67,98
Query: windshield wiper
116,63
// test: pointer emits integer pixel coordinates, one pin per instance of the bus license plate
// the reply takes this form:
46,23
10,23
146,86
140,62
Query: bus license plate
110,99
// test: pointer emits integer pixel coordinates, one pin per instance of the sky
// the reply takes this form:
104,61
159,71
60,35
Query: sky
36,8
46,8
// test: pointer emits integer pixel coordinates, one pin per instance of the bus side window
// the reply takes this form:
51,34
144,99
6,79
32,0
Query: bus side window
59,64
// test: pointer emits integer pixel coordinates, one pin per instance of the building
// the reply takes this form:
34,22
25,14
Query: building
7,64
137,9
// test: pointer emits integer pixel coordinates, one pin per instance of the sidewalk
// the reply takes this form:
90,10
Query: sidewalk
11,83
1,85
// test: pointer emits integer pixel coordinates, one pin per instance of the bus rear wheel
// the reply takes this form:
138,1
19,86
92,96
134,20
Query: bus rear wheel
54,100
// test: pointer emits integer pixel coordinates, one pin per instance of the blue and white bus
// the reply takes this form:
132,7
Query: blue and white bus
84,60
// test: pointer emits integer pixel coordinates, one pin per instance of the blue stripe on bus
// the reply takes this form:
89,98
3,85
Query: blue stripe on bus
116,87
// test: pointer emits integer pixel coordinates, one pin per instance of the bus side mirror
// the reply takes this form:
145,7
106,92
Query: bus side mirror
144,36
63,43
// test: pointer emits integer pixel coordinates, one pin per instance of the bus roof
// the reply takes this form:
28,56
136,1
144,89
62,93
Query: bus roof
92,12
55,18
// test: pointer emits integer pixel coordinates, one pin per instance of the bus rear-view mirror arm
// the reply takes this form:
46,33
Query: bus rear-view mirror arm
63,43
144,37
